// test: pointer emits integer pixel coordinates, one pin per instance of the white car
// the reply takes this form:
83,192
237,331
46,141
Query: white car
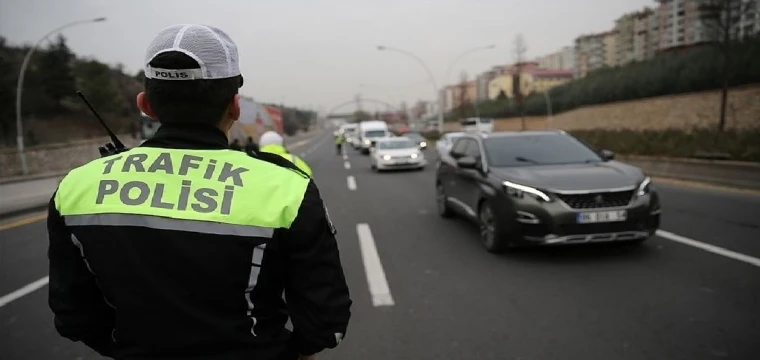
396,153
443,145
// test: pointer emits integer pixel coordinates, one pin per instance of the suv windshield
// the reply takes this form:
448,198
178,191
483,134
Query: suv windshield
396,144
537,149
374,133
413,136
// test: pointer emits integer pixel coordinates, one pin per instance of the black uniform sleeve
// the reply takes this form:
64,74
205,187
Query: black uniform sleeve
315,289
81,312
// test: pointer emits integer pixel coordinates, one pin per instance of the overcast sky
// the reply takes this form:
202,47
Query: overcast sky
319,52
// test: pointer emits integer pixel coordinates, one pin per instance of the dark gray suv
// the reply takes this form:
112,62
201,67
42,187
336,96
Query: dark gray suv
544,188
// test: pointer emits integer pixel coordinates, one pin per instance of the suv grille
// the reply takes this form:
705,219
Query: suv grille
597,200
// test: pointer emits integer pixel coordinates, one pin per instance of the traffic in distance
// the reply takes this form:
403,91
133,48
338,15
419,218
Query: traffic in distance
522,188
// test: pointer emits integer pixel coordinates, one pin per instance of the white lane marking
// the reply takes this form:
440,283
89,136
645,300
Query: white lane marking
347,165
345,157
26,290
711,248
351,182
378,284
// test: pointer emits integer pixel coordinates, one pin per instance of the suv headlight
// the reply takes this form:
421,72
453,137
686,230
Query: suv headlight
414,156
645,187
423,144
386,157
518,191
367,142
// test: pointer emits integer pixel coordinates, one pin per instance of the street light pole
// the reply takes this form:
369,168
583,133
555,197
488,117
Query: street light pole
456,60
20,88
463,54
430,75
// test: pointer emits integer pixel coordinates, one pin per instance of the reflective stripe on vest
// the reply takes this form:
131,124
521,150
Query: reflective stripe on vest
209,191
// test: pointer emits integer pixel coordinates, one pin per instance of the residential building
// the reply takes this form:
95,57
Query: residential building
563,59
533,79
684,23
632,37
463,93
481,85
749,18
423,109
593,52
644,35
447,98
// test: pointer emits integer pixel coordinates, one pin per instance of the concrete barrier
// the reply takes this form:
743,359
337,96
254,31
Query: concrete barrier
718,172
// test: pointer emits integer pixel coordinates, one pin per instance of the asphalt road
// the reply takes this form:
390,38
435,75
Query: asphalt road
447,298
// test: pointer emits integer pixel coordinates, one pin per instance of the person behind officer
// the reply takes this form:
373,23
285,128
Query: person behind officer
339,140
235,145
272,142
251,148
181,248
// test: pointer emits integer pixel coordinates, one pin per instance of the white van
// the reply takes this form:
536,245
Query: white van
349,132
477,125
369,131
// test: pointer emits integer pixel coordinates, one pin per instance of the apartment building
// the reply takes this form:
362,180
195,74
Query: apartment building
533,79
594,51
447,98
481,84
689,22
633,37
564,59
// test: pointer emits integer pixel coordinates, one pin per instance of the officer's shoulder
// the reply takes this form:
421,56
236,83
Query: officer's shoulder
280,162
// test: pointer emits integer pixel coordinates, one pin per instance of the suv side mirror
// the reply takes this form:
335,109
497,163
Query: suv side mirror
467,162
607,155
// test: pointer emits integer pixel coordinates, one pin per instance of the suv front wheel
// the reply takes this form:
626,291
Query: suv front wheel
492,233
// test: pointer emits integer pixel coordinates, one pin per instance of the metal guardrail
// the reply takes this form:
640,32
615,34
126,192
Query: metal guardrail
718,172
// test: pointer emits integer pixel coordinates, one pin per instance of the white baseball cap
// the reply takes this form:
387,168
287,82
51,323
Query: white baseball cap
270,138
212,48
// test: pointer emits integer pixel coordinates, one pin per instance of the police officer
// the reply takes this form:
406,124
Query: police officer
235,145
181,248
272,142
339,142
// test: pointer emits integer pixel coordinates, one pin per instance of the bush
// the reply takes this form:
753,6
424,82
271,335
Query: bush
741,145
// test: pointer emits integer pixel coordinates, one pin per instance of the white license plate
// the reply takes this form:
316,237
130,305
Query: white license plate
601,216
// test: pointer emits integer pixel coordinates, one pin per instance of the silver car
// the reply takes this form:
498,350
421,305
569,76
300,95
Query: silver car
396,153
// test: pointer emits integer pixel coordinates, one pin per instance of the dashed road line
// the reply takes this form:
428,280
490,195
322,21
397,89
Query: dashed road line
378,284
710,248
346,165
351,182
26,290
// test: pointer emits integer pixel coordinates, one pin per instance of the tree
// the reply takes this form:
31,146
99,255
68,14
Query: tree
520,48
723,18
99,87
54,67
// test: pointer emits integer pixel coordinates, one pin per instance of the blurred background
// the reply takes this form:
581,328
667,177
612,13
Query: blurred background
670,86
